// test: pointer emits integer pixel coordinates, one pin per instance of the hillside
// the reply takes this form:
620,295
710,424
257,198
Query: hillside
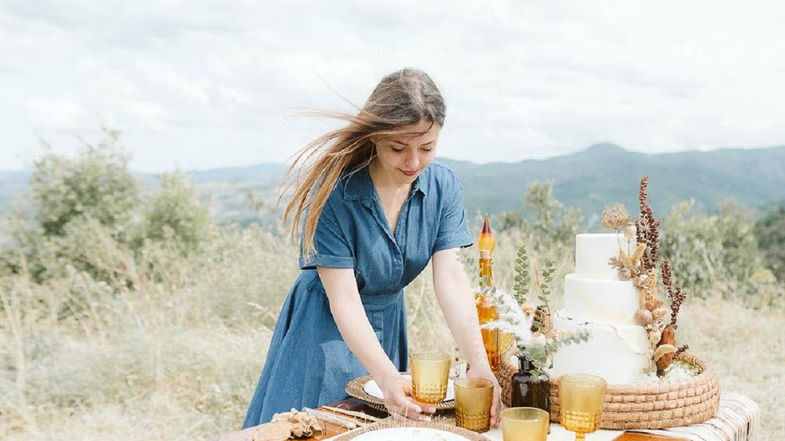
590,179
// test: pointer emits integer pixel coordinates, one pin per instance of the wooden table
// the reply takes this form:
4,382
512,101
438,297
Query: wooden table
357,405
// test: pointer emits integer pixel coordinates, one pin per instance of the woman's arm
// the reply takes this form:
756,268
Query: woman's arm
349,315
456,299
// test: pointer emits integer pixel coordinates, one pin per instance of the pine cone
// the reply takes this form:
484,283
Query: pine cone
544,317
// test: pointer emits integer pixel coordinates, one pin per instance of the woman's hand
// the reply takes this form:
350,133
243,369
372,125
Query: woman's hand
496,403
397,399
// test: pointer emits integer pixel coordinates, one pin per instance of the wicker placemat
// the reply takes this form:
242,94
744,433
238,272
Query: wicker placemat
468,434
355,389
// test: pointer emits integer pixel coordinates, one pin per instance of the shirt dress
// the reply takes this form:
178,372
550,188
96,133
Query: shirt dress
308,363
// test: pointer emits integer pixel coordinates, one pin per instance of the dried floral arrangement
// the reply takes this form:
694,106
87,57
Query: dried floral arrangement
293,424
637,261
530,326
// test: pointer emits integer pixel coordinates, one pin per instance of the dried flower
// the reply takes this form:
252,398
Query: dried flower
653,304
273,431
615,217
676,295
647,228
630,231
625,274
659,313
299,424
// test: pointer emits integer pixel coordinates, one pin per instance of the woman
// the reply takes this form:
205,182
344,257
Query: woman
375,211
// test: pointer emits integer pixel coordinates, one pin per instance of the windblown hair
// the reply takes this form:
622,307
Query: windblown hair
401,98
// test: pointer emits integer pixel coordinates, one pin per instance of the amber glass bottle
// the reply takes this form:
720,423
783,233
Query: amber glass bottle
486,312
528,389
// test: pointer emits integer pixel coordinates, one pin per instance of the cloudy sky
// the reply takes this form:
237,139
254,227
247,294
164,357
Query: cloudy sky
203,84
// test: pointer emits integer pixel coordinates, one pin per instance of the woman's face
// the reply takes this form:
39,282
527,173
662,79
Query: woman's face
403,157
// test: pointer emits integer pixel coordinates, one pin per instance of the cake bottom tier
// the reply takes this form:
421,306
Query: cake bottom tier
618,353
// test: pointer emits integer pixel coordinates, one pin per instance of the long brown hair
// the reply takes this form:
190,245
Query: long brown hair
401,98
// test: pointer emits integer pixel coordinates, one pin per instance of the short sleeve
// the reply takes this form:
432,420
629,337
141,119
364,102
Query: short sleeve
453,231
332,248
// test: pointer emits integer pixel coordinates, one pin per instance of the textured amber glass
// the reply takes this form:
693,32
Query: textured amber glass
430,374
473,398
580,403
524,424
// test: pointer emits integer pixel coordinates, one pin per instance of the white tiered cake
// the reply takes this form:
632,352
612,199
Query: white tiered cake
595,299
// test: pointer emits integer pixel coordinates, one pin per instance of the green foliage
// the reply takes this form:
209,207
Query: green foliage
717,254
770,234
176,215
96,184
541,355
522,279
87,216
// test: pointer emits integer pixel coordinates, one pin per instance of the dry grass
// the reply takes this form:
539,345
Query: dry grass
178,359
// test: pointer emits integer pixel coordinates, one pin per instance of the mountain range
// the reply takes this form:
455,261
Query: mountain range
602,174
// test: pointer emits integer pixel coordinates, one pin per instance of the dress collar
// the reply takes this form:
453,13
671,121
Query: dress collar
359,185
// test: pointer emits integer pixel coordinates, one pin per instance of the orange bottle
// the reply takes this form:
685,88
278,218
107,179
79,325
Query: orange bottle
485,309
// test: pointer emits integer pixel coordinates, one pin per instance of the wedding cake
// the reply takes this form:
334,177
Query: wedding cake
596,299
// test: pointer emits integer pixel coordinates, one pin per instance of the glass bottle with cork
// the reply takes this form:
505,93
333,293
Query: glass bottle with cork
486,311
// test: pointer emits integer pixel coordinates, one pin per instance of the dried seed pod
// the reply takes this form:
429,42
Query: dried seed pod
643,317
668,339
624,274
654,336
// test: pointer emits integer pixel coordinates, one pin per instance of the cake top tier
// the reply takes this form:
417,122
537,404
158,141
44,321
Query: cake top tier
593,251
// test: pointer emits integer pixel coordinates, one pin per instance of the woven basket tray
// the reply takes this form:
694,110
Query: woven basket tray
642,406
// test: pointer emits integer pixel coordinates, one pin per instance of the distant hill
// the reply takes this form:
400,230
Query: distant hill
606,173
590,179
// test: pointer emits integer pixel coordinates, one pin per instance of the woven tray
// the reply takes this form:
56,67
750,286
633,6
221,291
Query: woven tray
642,406
472,436
355,389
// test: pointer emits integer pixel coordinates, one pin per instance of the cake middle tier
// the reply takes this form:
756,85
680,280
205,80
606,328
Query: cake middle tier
618,353
598,300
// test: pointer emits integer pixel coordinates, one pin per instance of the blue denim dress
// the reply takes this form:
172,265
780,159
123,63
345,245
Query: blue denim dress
308,363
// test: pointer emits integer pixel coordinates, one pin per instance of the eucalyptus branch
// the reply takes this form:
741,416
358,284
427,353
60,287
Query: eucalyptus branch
522,278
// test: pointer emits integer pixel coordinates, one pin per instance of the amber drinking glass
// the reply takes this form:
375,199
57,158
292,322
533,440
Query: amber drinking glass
580,403
524,424
430,374
473,398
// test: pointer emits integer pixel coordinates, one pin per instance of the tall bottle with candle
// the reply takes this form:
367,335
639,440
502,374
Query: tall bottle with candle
485,309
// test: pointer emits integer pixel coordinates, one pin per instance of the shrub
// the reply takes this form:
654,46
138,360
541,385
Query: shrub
176,215
770,233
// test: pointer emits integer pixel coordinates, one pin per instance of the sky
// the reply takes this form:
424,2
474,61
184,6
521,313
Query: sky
207,84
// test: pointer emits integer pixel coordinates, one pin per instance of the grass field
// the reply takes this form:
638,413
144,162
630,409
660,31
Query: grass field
177,356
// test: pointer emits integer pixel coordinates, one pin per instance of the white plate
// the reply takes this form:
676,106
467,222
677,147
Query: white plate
410,434
373,389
